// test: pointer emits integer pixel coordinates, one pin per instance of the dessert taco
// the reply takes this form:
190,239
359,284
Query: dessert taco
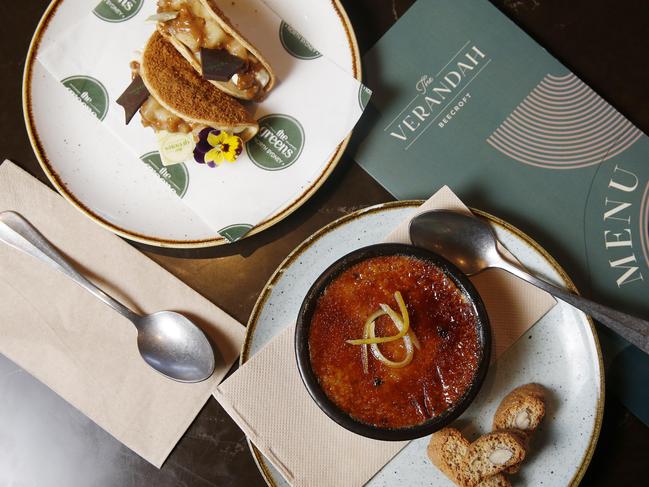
206,38
177,99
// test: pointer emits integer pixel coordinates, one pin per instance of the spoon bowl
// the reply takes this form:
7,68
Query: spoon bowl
463,239
175,347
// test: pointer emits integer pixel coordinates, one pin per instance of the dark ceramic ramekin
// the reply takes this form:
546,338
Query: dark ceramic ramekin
311,381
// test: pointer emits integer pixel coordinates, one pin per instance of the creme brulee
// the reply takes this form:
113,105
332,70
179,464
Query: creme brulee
443,321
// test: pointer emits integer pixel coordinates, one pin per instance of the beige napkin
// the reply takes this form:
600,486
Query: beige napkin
82,349
268,400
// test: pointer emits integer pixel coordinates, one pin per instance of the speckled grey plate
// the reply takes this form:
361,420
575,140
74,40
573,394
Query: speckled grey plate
561,352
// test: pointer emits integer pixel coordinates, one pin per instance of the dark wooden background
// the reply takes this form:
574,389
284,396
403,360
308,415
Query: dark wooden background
45,442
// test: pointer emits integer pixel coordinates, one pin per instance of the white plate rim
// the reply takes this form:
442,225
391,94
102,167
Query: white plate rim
59,184
295,254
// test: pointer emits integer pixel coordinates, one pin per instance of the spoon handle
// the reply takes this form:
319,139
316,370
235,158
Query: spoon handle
631,328
18,233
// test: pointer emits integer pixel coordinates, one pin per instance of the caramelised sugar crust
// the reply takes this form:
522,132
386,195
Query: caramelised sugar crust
441,317
177,86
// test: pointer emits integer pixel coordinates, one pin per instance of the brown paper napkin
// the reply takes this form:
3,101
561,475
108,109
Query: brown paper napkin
268,400
82,349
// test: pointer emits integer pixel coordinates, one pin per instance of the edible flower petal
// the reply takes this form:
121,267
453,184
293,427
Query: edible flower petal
216,138
216,146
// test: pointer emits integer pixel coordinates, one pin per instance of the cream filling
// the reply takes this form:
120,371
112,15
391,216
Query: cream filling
159,118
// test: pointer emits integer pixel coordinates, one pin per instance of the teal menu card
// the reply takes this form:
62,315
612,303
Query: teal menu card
463,97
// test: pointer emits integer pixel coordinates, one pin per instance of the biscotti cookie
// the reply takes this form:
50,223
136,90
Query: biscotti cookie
468,464
522,409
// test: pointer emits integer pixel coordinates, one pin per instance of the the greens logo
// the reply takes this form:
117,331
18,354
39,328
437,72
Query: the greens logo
118,10
233,233
296,45
278,144
364,95
176,176
90,92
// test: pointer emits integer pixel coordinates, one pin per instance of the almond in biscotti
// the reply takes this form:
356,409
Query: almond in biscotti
469,464
523,420
500,456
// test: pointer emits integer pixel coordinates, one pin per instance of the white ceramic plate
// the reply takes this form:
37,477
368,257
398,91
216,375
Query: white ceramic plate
561,352
121,202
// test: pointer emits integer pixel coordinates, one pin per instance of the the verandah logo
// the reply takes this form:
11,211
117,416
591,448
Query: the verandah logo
118,10
436,94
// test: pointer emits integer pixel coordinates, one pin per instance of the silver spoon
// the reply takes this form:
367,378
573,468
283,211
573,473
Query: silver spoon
168,342
470,244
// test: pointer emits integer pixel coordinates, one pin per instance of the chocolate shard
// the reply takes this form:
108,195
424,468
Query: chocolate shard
133,98
219,64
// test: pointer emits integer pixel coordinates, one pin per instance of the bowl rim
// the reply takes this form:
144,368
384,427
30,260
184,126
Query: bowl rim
303,356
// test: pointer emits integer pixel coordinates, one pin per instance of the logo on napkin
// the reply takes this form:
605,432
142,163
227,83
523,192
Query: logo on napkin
278,144
118,10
